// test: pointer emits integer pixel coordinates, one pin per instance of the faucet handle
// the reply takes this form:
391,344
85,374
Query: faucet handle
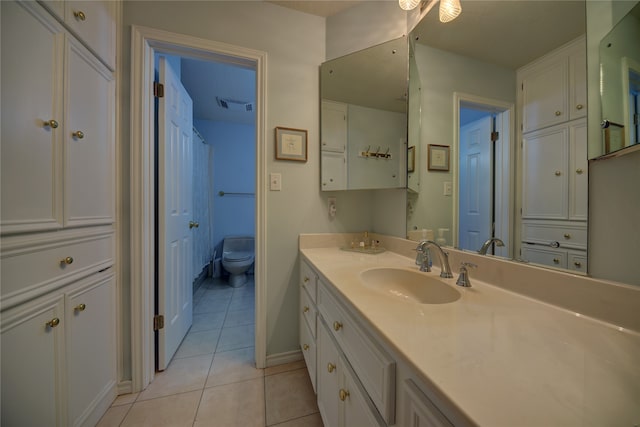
464,264
463,279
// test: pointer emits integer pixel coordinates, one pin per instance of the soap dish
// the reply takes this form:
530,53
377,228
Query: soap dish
367,250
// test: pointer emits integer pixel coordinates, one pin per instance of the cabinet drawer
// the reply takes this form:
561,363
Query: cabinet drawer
374,368
577,262
308,345
308,280
308,311
545,256
568,235
30,269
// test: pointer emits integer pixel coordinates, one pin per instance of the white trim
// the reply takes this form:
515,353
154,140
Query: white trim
282,358
124,387
506,155
144,41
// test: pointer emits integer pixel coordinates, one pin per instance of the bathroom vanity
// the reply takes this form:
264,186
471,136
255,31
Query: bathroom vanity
490,357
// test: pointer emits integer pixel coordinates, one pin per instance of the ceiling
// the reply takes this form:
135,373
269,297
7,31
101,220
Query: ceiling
319,8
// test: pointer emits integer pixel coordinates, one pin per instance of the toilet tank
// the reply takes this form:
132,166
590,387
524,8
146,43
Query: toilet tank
238,244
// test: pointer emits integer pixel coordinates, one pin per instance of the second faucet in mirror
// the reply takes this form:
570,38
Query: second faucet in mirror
487,244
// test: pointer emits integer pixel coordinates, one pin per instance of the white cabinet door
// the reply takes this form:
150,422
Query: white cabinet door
33,364
91,344
545,256
95,23
334,171
328,375
89,140
31,171
334,126
544,173
545,91
578,82
578,171
356,408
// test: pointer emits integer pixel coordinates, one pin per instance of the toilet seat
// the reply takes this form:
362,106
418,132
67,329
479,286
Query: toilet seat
237,256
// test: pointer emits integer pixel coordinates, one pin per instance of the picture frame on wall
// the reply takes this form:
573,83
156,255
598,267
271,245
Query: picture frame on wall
291,144
438,157
411,159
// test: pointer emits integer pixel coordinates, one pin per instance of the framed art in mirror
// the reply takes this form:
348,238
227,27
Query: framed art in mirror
291,144
438,157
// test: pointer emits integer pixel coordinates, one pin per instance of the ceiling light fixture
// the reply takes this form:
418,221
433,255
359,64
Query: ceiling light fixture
408,4
449,10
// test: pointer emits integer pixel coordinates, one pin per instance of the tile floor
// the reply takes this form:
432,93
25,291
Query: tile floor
212,379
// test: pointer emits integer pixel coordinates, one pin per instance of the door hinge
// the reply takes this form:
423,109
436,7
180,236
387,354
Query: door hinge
158,90
158,322
495,136
522,86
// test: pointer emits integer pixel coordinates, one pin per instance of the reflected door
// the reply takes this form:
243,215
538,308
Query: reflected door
476,183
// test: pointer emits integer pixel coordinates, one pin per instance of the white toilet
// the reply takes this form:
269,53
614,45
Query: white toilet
237,258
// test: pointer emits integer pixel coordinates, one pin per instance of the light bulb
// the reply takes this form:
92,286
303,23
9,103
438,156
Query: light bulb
408,4
449,10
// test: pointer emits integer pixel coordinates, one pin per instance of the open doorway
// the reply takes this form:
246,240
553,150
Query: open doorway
484,172
146,43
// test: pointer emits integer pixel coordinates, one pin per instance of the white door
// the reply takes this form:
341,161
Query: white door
476,184
175,298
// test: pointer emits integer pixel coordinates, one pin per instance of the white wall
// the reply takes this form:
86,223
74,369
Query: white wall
202,203
441,74
614,232
295,46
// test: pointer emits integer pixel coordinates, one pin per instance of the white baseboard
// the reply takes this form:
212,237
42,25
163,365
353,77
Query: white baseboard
282,358
124,387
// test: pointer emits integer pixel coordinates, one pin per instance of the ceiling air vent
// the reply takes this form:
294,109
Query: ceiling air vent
234,105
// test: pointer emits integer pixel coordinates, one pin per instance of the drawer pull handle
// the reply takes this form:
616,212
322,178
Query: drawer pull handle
80,307
337,326
51,123
558,173
53,322
558,113
305,309
80,16
68,260
577,263
305,347
78,134
556,261
343,394
567,235
579,106
305,280
579,171
331,367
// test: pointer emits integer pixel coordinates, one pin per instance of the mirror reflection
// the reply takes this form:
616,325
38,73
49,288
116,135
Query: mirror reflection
619,54
503,87
363,118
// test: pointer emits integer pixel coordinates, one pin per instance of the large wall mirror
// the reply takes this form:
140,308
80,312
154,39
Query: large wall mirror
618,60
502,147
363,118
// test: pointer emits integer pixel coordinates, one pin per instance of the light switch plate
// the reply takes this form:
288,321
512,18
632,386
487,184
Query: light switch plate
448,188
275,181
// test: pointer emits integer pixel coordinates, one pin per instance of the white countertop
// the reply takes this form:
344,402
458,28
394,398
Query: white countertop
501,358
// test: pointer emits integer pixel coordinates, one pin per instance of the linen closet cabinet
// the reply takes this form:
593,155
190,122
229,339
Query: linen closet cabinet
57,218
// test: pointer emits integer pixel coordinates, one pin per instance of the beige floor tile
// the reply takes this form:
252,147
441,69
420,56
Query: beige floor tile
208,304
207,321
233,366
114,416
272,370
238,404
181,376
313,420
198,343
171,411
289,395
242,302
125,399
240,318
236,337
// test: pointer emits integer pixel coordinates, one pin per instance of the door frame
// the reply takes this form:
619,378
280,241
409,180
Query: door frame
505,159
144,42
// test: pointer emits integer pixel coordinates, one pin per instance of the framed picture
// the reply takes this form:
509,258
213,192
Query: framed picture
291,144
613,137
411,159
438,157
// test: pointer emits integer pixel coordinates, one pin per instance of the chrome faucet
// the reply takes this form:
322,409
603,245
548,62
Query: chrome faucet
485,245
463,279
424,254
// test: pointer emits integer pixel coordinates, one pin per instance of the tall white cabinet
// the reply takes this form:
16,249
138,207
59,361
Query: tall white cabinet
553,106
57,218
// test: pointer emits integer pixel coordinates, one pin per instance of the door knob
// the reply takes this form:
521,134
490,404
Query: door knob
193,224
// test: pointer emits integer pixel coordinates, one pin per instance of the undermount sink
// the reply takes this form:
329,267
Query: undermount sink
409,285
